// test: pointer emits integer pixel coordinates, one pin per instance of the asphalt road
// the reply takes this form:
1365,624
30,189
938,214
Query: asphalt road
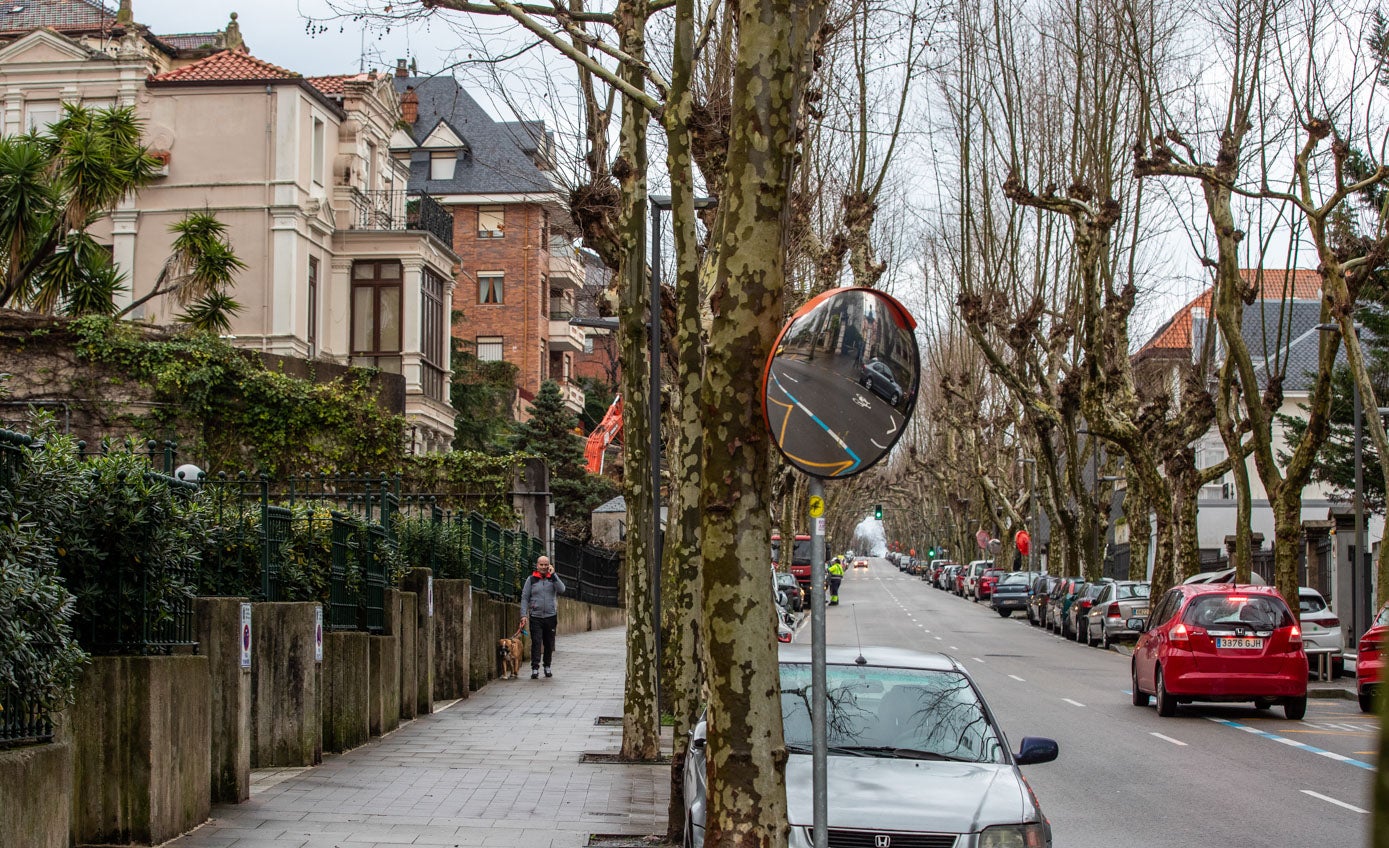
1214,776
824,419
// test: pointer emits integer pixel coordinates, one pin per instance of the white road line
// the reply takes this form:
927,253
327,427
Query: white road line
1328,799
1019,679
1169,739
953,648
976,659
1073,703
937,638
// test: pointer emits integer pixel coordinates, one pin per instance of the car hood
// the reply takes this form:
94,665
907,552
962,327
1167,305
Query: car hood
878,793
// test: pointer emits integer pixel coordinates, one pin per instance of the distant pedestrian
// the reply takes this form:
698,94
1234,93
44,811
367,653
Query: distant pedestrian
540,609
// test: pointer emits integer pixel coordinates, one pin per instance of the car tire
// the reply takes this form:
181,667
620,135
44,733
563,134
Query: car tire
1104,638
1367,701
896,399
1139,697
1003,613
1295,708
1338,668
1090,640
1166,704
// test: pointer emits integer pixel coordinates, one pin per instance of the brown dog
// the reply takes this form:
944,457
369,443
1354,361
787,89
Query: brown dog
510,650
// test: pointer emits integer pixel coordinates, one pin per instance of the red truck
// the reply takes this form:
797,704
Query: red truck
800,558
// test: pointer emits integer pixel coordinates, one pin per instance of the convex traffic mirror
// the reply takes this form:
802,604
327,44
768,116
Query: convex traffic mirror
841,382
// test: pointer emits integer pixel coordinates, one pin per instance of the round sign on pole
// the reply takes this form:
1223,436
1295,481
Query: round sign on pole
817,506
841,382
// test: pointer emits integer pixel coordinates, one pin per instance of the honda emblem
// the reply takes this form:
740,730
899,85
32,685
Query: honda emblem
882,840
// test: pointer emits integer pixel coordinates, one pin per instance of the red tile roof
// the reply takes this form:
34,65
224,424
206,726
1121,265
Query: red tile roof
192,40
335,86
1299,284
227,66
78,15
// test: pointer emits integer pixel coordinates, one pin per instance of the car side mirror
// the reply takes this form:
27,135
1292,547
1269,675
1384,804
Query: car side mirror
1037,749
698,742
1136,624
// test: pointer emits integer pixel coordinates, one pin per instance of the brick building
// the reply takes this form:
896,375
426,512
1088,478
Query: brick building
519,272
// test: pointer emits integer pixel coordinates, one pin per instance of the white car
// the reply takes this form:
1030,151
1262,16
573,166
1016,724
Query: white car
1321,631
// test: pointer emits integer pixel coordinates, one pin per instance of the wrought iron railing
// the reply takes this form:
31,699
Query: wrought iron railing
590,574
393,210
22,722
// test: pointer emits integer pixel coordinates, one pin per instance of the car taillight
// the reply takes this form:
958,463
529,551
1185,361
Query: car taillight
1180,635
783,637
1333,621
1368,644
1294,635
1113,611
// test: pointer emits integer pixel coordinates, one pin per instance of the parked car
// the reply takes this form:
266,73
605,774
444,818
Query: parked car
1321,631
1220,642
1369,660
987,581
1060,606
972,574
938,566
1108,618
1077,613
958,583
877,378
947,578
795,595
1010,593
907,725
1037,598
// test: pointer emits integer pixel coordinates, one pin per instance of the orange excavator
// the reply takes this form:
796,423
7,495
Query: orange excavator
603,435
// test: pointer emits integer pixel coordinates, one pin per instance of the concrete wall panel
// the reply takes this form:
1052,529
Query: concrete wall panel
219,637
346,690
287,726
36,796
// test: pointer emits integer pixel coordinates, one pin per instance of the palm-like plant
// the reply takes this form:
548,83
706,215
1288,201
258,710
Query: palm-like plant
201,267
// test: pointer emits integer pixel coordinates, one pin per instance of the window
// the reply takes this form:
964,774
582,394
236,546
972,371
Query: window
588,344
491,221
320,150
313,305
568,368
489,348
368,168
432,333
489,287
441,165
376,314
41,114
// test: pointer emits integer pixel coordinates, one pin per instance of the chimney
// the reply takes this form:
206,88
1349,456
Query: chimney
125,16
401,71
410,106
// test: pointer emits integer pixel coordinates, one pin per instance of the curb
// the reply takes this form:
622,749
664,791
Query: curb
1332,694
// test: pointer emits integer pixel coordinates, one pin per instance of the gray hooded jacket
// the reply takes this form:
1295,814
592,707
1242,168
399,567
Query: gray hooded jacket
540,596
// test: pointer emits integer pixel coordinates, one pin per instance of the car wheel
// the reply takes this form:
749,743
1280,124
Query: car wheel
1140,698
1091,640
1166,704
1295,708
1082,636
1367,702
1338,668
1263,703
1003,613
896,398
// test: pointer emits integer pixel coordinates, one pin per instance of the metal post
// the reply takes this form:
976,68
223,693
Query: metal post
654,448
1357,569
818,695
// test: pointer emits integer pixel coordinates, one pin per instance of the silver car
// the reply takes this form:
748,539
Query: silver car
915,757
1108,617
1321,632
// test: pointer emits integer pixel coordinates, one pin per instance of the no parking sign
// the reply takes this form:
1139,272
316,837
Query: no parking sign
245,636
318,634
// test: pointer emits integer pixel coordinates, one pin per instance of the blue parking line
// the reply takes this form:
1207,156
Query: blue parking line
1292,743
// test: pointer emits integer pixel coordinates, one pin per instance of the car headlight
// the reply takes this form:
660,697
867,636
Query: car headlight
1014,836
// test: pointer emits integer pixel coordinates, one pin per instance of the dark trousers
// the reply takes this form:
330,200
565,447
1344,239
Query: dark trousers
543,635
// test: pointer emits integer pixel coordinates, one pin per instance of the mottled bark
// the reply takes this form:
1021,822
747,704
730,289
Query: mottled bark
746,751
640,723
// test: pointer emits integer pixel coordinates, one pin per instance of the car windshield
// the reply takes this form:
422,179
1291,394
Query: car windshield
895,712
1018,577
1132,590
1260,612
1310,603
787,580
800,551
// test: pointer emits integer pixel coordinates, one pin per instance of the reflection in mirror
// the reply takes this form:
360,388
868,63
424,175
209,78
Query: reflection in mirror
842,381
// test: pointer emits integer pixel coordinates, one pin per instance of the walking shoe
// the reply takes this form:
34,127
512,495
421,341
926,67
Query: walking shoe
547,672
535,674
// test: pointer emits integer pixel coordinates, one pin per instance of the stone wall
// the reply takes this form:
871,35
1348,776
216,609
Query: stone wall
577,617
219,639
453,616
421,582
346,690
286,723
36,796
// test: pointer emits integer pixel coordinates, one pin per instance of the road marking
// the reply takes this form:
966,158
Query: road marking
937,638
1019,679
1073,703
1328,799
1293,743
1169,739
976,659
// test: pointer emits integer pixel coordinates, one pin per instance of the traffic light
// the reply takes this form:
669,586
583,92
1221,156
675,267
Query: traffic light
931,553
878,512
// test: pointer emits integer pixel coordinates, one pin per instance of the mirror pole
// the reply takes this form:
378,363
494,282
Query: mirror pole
818,694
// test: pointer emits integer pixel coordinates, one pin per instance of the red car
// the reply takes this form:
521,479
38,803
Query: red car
1220,642
987,581
1369,660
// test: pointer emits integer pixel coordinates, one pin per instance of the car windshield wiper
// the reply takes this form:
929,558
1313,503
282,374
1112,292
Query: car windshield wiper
891,751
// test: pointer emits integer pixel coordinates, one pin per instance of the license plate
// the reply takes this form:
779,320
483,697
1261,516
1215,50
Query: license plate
1238,642
1140,612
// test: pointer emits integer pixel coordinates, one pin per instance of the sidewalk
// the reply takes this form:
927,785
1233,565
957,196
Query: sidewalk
500,768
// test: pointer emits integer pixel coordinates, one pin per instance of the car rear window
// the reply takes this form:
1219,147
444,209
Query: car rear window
1310,603
1261,612
1133,590
1015,577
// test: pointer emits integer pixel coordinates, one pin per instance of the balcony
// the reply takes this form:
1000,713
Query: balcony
573,395
565,336
566,266
392,210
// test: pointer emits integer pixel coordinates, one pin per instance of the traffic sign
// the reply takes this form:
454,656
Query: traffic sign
817,506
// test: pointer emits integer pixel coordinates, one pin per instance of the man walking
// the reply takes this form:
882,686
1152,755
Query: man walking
540,609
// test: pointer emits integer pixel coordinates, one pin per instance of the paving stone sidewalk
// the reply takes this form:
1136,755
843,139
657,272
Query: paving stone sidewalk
500,768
